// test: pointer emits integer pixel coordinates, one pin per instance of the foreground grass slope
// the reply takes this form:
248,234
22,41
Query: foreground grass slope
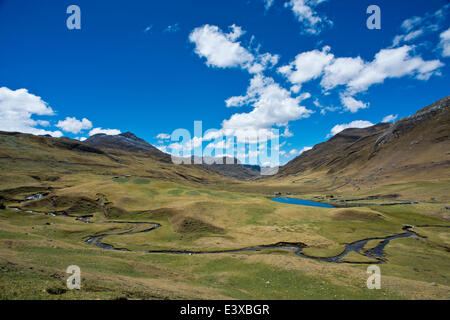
36,248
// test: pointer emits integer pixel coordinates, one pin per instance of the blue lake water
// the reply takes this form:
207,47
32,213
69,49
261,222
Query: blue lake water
302,202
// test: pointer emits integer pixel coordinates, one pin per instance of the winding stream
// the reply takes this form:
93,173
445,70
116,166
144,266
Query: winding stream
375,253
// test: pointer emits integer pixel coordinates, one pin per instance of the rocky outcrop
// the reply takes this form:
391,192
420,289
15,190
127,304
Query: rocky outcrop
402,126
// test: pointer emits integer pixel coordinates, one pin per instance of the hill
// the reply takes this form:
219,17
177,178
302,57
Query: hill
414,148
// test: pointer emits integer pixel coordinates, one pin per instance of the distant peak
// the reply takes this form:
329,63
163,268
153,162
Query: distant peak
128,134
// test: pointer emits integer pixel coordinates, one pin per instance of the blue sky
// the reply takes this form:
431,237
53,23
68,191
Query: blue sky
306,67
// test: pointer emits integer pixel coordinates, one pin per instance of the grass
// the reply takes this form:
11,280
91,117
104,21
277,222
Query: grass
201,211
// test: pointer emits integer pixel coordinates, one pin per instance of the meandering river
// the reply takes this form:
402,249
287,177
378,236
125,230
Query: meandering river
376,253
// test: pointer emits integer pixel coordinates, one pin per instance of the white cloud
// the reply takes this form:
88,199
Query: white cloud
148,29
268,3
356,74
411,23
340,71
163,136
306,14
415,27
81,138
287,133
445,43
305,149
110,132
351,104
272,106
220,49
307,66
43,123
73,125
162,148
295,152
172,28
389,118
324,109
354,124
17,107
393,63
262,62
407,37
295,88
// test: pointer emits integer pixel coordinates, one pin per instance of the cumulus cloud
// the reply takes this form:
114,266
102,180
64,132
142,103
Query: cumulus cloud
307,66
17,107
340,71
351,104
354,124
389,118
222,49
272,106
393,63
263,62
305,12
74,125
355,73
110,132
445,43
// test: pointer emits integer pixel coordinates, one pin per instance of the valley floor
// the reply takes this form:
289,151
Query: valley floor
36,248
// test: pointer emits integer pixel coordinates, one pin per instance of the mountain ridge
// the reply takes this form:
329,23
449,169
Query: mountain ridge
414,147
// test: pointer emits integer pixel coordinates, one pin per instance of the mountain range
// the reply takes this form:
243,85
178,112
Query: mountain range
415,148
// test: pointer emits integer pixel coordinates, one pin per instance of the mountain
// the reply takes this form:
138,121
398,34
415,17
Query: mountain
125,141
129,142
30,158
413,148
123,154
339,151
232,167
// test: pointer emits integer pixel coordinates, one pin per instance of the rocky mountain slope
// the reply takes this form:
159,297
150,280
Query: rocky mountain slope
126,141
415,148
